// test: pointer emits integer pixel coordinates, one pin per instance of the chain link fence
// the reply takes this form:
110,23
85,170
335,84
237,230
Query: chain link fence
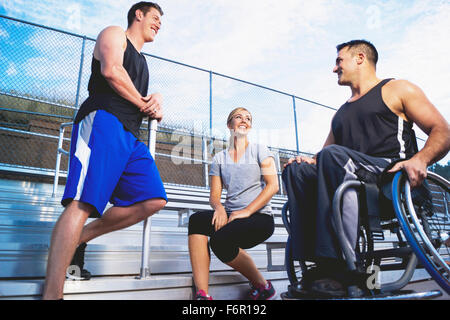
45,74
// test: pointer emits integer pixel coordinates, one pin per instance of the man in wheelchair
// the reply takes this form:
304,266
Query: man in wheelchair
369,132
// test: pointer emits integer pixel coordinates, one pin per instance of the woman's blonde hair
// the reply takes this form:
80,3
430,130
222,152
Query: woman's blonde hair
233,112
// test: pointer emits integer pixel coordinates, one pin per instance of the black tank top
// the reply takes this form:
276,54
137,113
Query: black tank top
102,96
367,125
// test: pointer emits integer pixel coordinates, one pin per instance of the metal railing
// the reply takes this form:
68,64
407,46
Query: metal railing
205,152
145,256
60,151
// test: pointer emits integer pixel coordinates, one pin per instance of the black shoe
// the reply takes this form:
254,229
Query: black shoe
321,283
75,271
328,288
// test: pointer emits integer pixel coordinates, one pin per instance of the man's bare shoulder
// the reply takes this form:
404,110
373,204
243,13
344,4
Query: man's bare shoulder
111,31
401,88
110,37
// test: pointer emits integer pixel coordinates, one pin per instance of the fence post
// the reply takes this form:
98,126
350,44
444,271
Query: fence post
295,123
210,103
145,257
80,73
205,160
278,167
61,130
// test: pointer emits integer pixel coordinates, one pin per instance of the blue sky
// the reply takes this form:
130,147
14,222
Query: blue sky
286,45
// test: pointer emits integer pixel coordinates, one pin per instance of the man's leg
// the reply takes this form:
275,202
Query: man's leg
336,164
117,218
65,238
300,182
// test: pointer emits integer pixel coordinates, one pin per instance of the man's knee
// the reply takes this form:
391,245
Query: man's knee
333,155
80,206
153,205
331,150
296,168
299,172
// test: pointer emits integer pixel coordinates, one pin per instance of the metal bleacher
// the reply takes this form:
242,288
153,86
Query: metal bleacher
28,213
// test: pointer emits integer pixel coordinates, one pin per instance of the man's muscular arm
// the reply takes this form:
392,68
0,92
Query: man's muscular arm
109,50
416,107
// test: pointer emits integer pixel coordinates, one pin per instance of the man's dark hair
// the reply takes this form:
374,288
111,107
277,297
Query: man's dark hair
144,7
363,45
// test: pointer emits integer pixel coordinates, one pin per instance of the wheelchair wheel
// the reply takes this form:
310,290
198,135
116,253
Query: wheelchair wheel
291,269
426,233
289,264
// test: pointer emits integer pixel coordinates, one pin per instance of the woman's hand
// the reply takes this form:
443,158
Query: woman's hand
220,218
239,214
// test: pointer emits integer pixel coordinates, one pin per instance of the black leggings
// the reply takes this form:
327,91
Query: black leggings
240,233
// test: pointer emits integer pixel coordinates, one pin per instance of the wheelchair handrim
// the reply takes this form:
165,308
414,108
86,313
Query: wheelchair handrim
420,230
406,228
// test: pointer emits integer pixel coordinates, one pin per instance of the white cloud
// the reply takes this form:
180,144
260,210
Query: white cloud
3,33
231,37
12,70
421,56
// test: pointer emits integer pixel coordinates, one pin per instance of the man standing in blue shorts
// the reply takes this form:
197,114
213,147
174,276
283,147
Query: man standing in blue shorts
107,161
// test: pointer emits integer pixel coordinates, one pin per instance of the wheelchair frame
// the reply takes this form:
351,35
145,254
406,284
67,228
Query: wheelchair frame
410,250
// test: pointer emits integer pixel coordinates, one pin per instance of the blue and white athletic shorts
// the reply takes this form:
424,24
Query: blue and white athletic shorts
108,163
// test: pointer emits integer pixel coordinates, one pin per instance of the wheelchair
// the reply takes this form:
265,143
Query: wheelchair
420,229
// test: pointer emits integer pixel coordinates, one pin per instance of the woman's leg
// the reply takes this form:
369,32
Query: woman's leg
228,244
244,264
200,260
200,228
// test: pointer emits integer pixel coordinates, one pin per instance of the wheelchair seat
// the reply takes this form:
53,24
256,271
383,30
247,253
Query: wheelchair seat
419,221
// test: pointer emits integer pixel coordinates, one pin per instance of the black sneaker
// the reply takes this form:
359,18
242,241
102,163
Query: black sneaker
75,271
328,288
266,292
317,283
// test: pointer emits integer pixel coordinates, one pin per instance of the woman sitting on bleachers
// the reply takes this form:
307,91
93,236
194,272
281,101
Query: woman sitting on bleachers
247,171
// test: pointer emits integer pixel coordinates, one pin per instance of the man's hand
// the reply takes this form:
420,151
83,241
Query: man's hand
300,159
152,106
239,214
220,218
415,168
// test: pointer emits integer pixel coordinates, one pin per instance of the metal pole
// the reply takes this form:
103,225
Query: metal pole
295,123
80,73
205,159
145,258
278,167
210,103
59,153
58,160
